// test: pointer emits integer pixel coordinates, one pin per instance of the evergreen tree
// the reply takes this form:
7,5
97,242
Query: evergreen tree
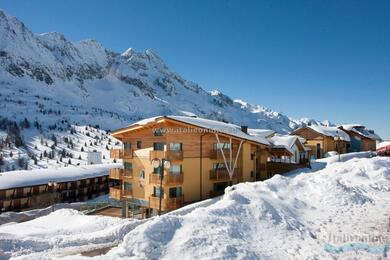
11,154
82,148
69,161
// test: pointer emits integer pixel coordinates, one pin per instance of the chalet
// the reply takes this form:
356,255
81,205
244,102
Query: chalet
323,139
199,158
292,146
362,139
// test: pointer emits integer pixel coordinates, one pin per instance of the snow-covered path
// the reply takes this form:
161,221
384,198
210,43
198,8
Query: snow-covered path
300,216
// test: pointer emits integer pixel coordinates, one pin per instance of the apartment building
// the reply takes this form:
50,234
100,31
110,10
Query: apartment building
198,157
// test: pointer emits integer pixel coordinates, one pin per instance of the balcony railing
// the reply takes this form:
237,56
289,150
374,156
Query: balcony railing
115,192
222,174
166,204
216,154
168,155
127,174
118,193
169,179
116,174
116,153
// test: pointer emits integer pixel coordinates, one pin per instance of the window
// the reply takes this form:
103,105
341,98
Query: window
128,165
126,146
127,186
175,192
157,190
175,169
158,132
218,146
318,151
175,146
158,146
139,144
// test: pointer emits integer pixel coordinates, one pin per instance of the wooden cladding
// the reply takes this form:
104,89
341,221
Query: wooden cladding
168,155
166,204
216,154
169,179
116,153
222,174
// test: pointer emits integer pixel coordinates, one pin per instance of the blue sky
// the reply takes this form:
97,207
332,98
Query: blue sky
318,59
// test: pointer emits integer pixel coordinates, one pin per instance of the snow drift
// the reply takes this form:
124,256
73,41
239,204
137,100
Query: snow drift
286,217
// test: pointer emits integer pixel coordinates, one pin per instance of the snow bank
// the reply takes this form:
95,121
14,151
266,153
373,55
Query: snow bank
282,218
62,232
16,179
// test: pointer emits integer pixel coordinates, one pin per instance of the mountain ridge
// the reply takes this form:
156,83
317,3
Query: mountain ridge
140,84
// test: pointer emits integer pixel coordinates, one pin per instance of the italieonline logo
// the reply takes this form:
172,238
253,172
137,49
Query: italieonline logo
375,244
189,130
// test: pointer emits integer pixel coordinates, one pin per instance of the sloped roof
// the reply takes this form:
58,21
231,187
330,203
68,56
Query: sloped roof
330,131
213,125
261,132
16,179
362,130
287,141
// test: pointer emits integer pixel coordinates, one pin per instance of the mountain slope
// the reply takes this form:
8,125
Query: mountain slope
49,80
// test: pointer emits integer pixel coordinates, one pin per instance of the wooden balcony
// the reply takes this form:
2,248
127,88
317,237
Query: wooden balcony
128,153
222,175
115,192
217,155
166,204
115,174
169,179
118,193
116,153
127,174
168,155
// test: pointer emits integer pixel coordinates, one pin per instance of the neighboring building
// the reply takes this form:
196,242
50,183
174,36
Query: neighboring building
295,151
41,188
362,139
323,139
205,157
383,148
94,157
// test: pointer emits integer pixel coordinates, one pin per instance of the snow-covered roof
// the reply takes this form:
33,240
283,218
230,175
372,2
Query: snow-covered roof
330,131
287,141
362,130
15,179
213,125
261,132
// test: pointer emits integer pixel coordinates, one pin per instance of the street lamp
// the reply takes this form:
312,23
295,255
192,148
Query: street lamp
157,163
337,139
54,185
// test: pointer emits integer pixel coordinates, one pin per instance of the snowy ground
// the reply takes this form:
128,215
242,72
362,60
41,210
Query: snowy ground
305,215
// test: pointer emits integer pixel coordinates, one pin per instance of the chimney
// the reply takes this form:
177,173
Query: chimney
244,129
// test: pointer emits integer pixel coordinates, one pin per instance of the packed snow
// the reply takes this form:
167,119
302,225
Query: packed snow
307,214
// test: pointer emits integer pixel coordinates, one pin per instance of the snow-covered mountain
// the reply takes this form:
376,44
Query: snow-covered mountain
54,82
